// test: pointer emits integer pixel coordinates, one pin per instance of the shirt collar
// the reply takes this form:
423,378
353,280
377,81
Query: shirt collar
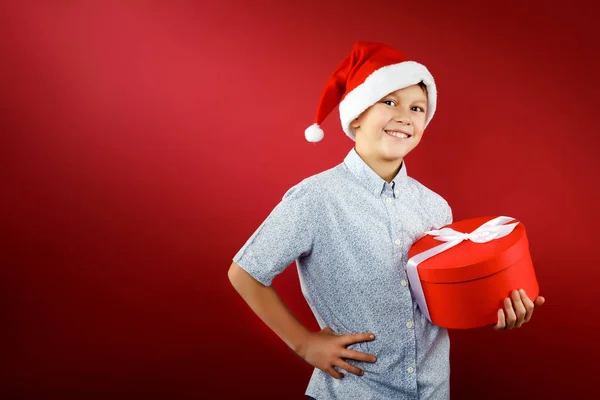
369,178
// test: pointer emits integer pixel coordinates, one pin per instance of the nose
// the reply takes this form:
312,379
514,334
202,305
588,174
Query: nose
402,119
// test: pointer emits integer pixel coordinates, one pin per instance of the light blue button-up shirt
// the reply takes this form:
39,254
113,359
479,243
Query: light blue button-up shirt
349,232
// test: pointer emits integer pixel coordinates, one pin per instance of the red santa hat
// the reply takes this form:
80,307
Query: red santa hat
370,72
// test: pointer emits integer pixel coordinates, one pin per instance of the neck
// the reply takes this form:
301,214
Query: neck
387,170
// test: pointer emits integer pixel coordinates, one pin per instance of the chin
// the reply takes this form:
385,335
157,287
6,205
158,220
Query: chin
393,155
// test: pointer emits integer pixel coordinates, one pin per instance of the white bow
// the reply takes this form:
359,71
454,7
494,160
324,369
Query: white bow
494,229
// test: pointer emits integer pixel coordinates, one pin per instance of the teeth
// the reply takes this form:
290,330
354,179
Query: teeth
398,134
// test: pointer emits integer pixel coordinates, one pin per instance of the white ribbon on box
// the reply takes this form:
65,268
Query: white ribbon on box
491,230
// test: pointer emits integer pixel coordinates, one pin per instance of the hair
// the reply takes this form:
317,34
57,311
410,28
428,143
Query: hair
423,86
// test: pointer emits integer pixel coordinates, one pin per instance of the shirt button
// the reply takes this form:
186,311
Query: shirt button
403,282
409,325
388,200
397,241
410,370
397,192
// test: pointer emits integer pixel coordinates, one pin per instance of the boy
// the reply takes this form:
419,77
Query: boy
349,229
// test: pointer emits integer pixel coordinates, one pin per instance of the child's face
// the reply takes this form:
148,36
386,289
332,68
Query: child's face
392,127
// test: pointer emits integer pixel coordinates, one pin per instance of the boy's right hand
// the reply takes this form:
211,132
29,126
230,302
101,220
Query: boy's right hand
326,350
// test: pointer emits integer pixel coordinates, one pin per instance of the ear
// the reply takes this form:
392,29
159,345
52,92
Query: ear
355,124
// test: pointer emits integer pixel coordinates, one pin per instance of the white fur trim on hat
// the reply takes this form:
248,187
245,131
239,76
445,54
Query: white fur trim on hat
382,82
314,133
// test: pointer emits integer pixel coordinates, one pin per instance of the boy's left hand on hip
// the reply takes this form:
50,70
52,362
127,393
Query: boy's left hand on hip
518,310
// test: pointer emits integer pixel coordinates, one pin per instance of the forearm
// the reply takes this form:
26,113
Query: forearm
269,307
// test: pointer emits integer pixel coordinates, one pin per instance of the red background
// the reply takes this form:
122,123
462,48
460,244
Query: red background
142,143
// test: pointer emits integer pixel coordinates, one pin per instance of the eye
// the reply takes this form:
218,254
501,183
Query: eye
393,103
418,109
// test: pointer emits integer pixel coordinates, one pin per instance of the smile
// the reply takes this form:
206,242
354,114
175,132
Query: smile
398,134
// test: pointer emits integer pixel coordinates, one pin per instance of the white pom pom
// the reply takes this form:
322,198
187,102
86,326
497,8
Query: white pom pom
314,133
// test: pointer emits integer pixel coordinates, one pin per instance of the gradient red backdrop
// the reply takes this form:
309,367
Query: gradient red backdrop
142,143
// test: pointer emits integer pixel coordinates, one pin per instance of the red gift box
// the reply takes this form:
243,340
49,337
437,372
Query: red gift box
461,274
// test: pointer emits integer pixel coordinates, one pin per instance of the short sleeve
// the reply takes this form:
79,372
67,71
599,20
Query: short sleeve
447,214
285,235
439,213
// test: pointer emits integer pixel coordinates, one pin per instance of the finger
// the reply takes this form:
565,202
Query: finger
519,308
331,371
356,338
501,320
529,306
357,355
349,367
511,317
539,301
